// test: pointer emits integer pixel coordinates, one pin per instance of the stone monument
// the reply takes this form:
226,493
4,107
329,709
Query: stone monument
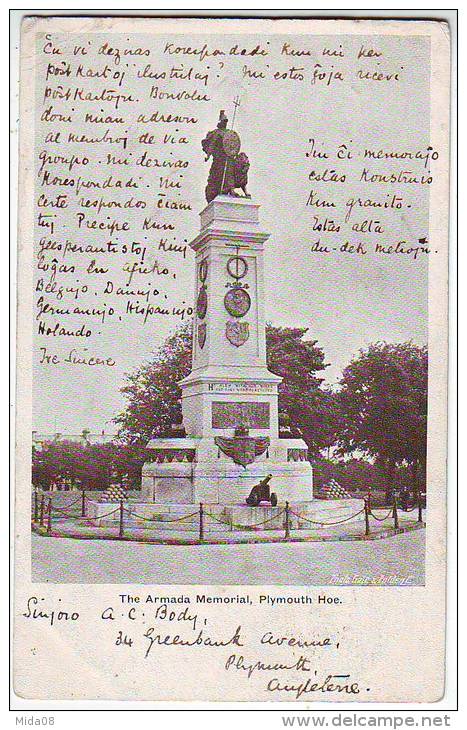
230,398
230,454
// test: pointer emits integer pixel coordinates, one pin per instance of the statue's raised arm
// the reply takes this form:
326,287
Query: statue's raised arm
229,167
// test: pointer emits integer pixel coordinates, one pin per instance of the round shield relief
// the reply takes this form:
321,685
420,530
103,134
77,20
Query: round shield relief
231,143
237,302
202,303
237,267
203,270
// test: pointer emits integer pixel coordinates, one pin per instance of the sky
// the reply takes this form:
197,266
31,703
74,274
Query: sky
347,300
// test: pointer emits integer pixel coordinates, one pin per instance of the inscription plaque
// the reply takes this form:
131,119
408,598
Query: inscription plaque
245,386
231,415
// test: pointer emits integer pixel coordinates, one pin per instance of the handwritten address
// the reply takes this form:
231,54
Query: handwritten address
286,663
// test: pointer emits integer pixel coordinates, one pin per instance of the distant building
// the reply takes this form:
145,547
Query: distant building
85,438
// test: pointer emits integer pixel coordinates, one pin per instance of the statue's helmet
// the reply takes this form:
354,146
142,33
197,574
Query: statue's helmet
222,123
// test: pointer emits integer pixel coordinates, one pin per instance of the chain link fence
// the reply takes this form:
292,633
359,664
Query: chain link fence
47,518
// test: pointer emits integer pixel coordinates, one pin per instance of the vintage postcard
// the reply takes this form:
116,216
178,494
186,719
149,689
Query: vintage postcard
232,360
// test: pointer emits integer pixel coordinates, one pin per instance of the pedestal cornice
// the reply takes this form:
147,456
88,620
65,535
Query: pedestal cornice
254,240
215,374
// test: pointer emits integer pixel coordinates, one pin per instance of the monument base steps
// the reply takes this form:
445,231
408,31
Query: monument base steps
316,514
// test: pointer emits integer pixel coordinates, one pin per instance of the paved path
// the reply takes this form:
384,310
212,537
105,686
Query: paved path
395,560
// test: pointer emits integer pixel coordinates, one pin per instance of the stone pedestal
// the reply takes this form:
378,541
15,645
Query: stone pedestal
319,516
230,382
230,398
198,471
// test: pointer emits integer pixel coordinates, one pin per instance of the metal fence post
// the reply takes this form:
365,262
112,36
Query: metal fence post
83,504
367,515
420,507
201,522
287,522
49,516
394,511
121,526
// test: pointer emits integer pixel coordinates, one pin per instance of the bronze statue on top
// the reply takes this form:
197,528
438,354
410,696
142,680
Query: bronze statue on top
229,168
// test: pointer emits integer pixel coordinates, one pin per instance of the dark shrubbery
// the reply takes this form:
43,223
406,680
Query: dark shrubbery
359,476
90,466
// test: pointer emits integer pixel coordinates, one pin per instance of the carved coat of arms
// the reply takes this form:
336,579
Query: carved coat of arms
202,303
237,302
243,449
202,334
237,333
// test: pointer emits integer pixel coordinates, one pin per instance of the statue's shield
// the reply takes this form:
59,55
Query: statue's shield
231,143
237,333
